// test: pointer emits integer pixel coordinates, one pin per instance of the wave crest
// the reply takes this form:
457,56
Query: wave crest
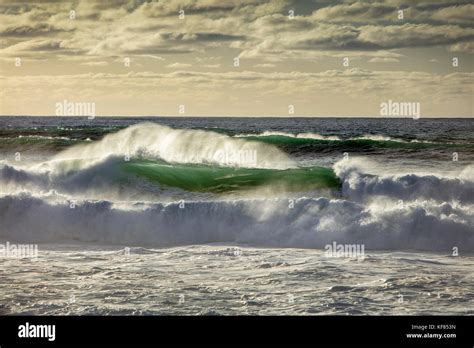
360,186
310,223
175,146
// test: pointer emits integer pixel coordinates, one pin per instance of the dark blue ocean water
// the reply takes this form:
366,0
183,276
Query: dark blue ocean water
442,130
400,138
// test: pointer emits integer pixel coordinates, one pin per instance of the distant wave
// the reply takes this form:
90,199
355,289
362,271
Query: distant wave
36,143
317,136
154,136
314,143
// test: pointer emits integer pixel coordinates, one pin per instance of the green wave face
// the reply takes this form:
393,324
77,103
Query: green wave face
199,178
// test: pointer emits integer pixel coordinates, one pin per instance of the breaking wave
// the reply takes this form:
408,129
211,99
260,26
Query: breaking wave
153,141
118,183
309,223
314,143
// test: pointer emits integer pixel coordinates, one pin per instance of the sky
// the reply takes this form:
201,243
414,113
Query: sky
237,57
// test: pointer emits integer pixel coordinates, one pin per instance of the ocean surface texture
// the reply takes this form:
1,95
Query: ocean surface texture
237,216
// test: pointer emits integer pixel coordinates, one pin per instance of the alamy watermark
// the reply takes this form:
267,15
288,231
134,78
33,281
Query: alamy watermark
37,331
18,251
68,108
404,109
345,250
243,158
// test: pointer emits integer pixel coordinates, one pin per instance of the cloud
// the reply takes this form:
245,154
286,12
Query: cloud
388,11
291,56
207,7
265,65
40,49
462,47
328,37
383,60
414,35
34,45
356,12
179,65
336,92
455,14
254,28
38,29
101,63
153,57
211,66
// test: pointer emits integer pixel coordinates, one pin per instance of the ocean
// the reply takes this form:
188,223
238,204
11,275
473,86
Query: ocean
226,216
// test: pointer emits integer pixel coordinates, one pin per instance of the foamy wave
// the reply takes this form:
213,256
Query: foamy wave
360,186
302,135
103,180
317,136
310,223
173,146
290,135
